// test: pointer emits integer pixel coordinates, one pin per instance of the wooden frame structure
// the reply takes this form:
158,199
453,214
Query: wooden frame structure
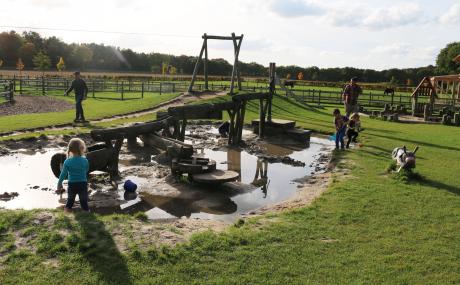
448,88
425,90
237,40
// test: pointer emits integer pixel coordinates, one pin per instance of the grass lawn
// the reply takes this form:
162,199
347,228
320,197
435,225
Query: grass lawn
94,109
369,228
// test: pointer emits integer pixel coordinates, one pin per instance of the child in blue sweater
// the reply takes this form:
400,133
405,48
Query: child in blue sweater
75,169
340,123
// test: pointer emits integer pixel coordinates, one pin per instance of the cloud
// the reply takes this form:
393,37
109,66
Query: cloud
452,16
295,8
405,51
398,15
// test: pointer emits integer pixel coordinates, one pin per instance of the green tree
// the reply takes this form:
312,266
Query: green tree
83,55
27,52
41,61
444,61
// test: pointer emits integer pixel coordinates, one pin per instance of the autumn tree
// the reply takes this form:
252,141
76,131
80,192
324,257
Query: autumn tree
20,66
61,64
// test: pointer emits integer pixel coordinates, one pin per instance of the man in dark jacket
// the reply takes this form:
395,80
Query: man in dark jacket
350,96
79,85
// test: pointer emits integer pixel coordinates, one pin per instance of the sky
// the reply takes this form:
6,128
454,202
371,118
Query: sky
373,34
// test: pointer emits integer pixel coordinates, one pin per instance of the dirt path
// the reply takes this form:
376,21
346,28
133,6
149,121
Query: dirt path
178,101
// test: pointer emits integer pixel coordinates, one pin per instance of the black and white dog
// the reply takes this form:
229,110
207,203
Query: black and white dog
404,159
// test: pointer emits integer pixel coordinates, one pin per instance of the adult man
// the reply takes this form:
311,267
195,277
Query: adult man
79,85
350,96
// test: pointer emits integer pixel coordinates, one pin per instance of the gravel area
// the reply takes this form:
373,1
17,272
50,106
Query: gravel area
25,104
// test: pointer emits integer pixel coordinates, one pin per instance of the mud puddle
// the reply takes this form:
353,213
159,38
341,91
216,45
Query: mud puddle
267,174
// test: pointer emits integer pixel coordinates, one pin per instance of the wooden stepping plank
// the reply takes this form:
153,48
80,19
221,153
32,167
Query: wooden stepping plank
216,177
277,123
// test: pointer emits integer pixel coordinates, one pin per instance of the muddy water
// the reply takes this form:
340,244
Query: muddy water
261,183
28,174
268,183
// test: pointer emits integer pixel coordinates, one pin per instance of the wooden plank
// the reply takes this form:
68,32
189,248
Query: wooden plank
251,96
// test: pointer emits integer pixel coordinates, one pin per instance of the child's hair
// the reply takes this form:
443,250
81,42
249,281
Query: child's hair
355,116
76,147
336,112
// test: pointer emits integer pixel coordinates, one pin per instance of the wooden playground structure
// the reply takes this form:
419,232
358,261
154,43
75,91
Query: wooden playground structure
237,40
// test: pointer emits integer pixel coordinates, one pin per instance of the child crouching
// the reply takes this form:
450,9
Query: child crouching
354,127
75,169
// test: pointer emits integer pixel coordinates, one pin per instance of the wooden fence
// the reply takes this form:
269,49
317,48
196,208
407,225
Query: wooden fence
6,91
137,89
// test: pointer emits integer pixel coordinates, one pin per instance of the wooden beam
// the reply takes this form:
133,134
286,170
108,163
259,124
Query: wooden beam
209,37
197,66
130,131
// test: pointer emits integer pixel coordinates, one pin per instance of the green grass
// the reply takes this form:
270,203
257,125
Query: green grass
94,109
371,227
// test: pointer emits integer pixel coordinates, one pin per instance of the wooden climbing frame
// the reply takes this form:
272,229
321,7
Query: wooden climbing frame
237,40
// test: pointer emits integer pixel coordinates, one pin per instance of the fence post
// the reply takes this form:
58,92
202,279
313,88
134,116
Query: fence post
142,90
392,98
20,85
43,85
122,89
92,83
370,98
160,87
11,99
319,97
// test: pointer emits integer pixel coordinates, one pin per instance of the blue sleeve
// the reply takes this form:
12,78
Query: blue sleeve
87,165
64,174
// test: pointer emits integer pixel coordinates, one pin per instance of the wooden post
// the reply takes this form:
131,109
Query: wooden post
142,89
43,85
238,73
197,66
92,87
272,73
122,90
243,112
205,65
182,130
236,47
231,114
238,124
160,87
261,118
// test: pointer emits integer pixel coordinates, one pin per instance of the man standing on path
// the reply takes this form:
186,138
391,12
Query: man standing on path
81,90
350,96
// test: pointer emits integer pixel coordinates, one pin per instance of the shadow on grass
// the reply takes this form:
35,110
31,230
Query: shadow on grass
99,249
438,185
417,142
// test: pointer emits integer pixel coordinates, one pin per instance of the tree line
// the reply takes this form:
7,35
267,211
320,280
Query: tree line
37,52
